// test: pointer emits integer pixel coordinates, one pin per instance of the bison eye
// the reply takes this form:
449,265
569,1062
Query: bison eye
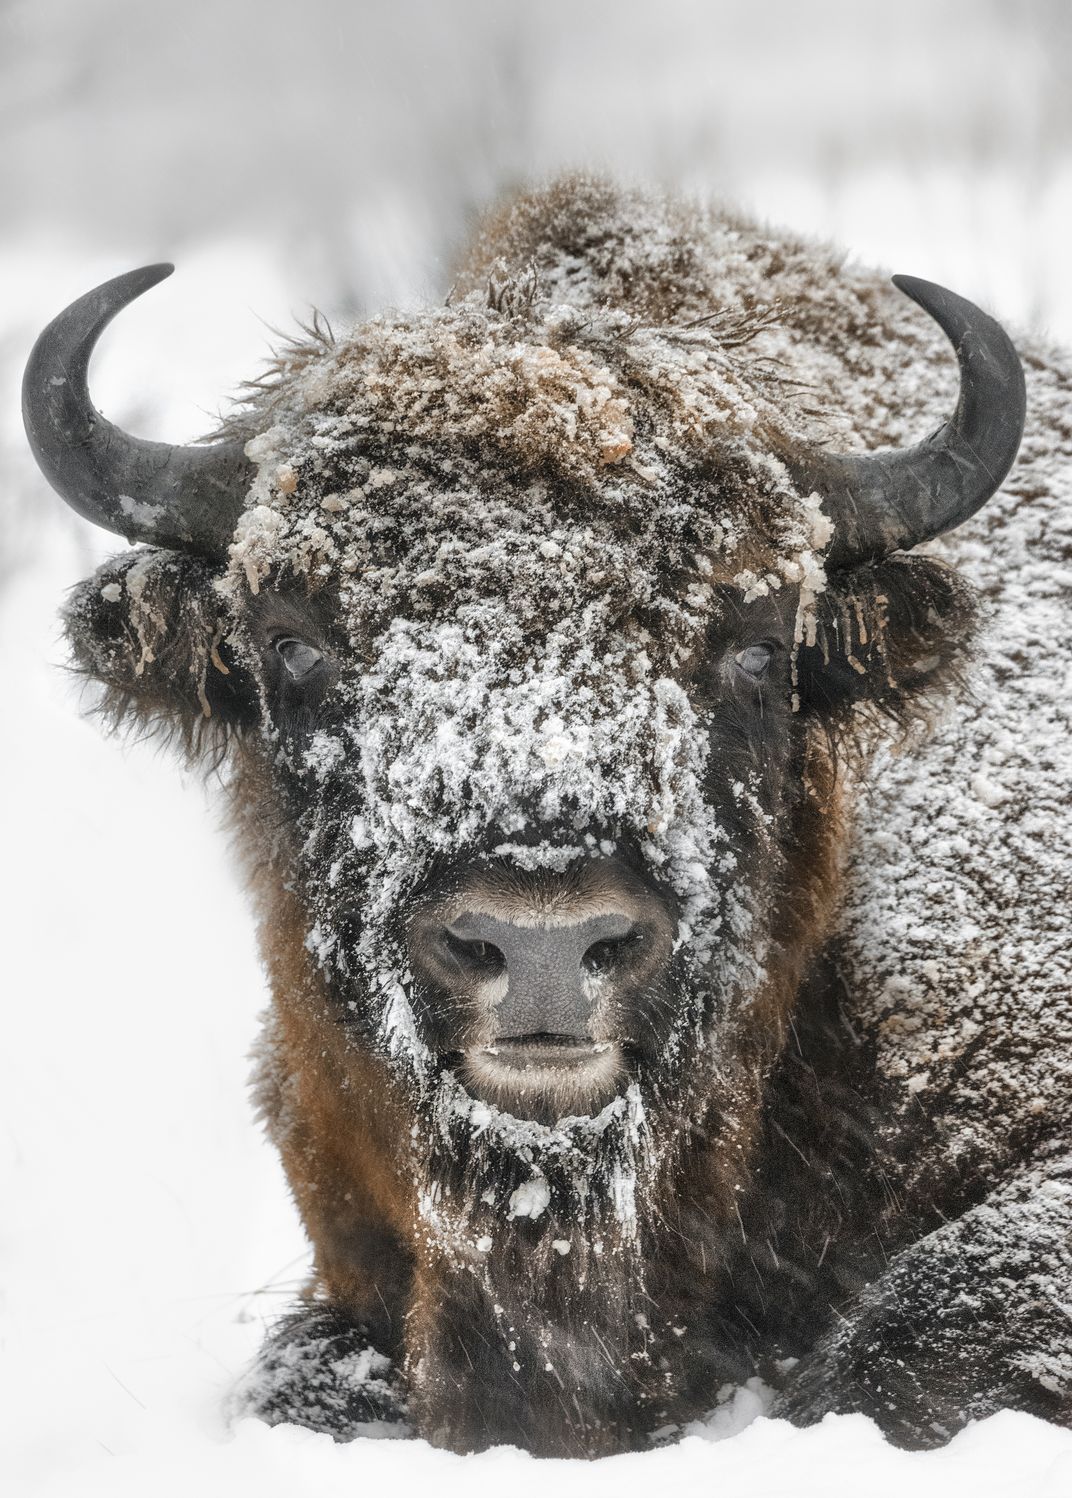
611,952
299,658
755,660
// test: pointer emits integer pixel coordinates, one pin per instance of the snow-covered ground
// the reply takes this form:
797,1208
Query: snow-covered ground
146,1235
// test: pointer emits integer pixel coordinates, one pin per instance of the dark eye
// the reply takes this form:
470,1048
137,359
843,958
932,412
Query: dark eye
610,952
755,660
299,658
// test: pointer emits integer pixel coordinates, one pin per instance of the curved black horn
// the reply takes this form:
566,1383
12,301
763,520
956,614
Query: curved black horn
186,498
891,501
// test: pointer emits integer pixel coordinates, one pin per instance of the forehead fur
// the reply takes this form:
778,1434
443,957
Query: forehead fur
584,419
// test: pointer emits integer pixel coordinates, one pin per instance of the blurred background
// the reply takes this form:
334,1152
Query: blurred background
333,153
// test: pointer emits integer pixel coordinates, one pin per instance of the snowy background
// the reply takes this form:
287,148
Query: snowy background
332,153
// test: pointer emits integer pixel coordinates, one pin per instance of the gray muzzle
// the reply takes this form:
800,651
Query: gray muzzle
551,971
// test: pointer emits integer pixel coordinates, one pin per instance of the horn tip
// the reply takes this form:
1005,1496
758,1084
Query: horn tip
145,277
954,314
916,288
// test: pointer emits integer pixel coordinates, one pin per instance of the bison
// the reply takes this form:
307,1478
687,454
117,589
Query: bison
660,837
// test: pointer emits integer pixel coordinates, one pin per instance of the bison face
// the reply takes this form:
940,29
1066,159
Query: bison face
532,631
539,871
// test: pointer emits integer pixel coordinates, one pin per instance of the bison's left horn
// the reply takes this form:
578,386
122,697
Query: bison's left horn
185,498
891,501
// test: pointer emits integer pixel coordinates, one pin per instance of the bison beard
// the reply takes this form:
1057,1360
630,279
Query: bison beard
553,605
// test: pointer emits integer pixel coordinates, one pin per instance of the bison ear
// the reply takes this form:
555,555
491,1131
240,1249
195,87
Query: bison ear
153,631
894,635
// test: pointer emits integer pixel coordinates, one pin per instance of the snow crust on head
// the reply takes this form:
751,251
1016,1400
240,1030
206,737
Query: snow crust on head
544,388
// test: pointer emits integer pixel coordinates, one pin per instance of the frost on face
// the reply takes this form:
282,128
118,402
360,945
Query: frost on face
443,751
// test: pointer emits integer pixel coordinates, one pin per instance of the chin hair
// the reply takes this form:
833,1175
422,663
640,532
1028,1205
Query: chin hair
495,1188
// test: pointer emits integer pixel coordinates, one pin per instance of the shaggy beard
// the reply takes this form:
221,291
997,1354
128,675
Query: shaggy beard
544,1240
497,1193
487,1171
538,1232
492,1187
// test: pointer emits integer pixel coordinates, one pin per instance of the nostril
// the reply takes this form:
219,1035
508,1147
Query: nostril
611,952
472,952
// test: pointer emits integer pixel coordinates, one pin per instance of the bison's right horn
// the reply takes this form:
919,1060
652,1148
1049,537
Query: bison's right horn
891,501
185,498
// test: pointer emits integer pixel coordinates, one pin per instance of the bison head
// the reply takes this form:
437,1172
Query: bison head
532,630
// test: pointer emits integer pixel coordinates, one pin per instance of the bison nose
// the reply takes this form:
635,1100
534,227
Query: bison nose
548,975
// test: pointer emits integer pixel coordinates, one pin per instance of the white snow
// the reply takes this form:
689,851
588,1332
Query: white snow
146,1231
530,1199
